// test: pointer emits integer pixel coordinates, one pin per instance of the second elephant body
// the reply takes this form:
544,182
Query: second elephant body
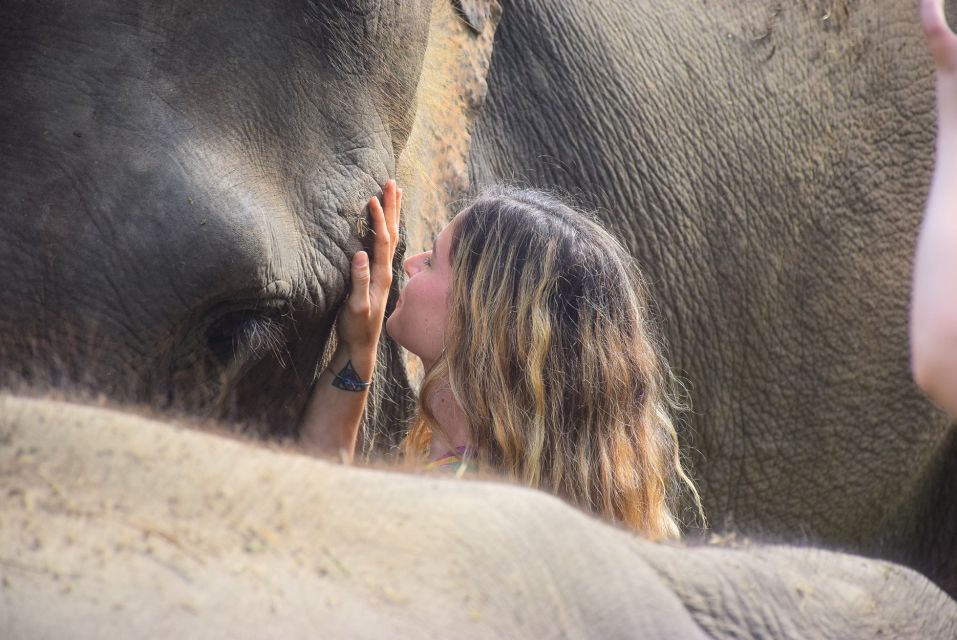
767,164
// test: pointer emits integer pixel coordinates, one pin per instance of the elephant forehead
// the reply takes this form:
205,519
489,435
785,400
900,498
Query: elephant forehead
280,80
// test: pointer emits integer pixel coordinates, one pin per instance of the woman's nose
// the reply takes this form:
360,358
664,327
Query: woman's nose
411,265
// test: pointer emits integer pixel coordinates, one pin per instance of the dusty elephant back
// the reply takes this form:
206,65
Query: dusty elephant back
117,525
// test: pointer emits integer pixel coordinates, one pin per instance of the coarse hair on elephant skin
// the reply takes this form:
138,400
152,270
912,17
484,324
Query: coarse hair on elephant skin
119,525
767,165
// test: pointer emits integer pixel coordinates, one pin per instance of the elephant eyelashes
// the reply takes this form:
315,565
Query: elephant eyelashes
248,334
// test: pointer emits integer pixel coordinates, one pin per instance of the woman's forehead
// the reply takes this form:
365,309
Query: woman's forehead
445,235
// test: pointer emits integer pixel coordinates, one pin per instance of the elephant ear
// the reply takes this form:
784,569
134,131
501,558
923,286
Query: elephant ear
477,13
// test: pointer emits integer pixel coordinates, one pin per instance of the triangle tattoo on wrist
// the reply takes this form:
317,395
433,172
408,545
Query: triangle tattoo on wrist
348,379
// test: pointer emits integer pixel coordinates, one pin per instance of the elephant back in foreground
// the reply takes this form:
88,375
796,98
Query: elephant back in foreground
120,526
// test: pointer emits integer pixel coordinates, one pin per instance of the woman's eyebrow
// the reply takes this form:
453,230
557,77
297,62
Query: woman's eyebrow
435,240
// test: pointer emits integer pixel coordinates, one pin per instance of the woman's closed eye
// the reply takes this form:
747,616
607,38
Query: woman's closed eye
428,260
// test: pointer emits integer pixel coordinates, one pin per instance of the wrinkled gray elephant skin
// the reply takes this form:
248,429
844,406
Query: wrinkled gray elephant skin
182,185
767,163
119,526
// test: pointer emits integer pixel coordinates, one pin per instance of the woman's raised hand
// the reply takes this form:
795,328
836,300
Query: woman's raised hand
360,319
330,423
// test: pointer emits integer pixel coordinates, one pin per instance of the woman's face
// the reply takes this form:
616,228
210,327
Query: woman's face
420,315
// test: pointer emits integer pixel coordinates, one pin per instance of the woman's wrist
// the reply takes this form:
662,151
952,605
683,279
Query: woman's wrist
331,420
360,360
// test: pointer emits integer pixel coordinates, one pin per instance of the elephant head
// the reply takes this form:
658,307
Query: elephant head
182,186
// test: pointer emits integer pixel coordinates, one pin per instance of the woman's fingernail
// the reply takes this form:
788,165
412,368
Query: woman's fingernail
362,259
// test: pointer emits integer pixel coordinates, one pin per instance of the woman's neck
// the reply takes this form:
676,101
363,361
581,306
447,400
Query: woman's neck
454,430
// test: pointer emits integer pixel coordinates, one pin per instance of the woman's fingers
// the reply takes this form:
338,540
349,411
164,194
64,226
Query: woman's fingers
359,294
389,197
371,275
385,228
940,39
382,245
394,227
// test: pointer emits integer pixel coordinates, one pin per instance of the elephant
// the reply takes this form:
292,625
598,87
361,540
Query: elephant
182,187
118,525
767,164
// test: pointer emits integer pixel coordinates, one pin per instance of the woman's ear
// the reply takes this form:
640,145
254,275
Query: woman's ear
477,13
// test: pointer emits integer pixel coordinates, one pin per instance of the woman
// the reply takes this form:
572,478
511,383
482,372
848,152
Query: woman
532,325
933,330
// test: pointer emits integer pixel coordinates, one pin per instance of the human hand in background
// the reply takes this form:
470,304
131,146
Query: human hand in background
933,314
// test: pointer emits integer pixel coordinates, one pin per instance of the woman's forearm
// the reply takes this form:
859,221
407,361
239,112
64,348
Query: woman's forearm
330,425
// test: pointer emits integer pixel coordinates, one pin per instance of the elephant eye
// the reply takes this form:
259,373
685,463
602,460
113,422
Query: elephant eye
247,334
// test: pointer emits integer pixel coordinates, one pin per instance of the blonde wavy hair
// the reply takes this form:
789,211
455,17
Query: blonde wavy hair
551,354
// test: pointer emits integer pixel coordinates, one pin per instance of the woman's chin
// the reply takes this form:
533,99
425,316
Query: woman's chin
390,326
